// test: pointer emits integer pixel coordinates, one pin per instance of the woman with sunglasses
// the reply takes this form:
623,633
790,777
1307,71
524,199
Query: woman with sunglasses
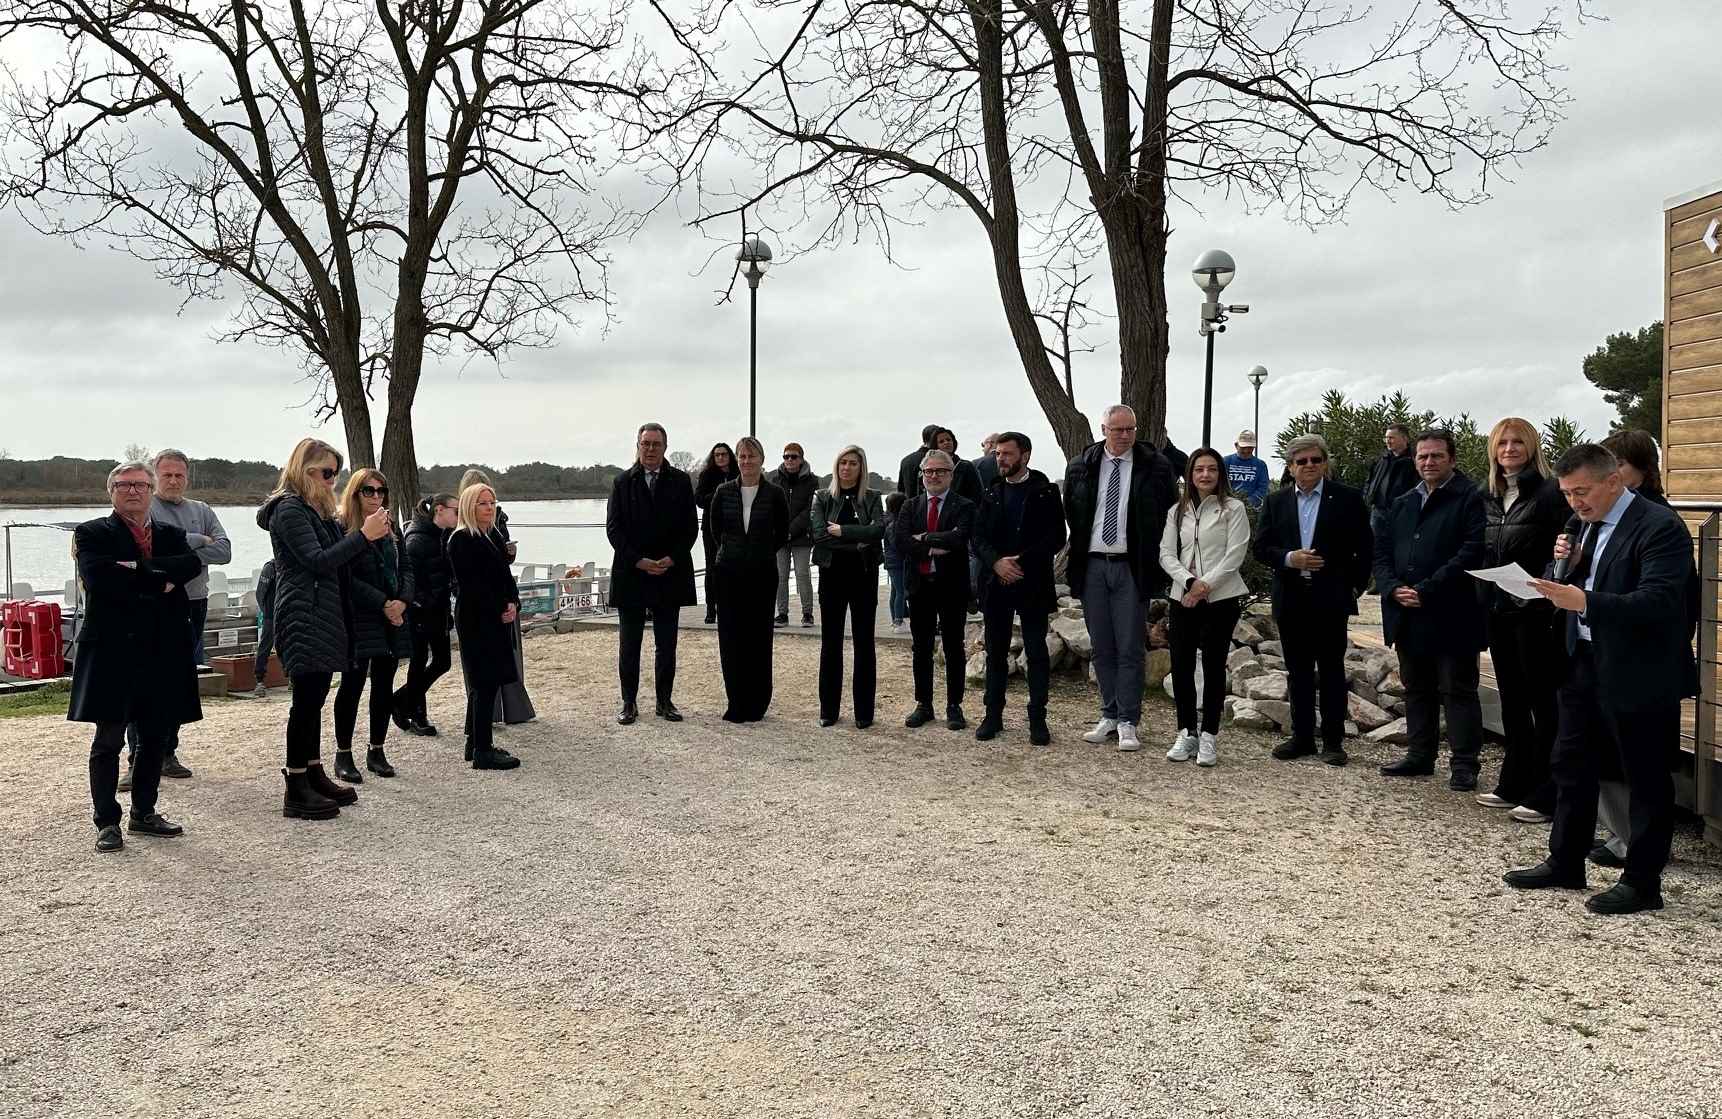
311,559
719,468
379,586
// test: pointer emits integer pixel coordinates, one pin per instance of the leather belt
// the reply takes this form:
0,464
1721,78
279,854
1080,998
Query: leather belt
1110,557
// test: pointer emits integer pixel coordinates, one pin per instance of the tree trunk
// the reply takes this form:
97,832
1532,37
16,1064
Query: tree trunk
1136,248
355,408
406,364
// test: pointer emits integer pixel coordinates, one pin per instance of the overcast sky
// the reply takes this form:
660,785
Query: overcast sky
1488,310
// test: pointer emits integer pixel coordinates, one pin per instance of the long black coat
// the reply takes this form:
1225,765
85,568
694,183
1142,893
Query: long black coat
1153,492
312,629
1042,534
1524,534
368,591
1429,548
135,642
487,588
909,473
645,523
749,552
955,535
1342,537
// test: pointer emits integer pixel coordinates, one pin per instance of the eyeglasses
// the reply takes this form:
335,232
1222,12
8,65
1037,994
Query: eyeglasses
1132,427
935,471
790,458
1308,461
132,487
374,491
325,473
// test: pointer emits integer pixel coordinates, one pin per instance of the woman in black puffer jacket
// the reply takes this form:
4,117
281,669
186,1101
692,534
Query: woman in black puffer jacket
1526,511
311,626
379,586
719,468
428,613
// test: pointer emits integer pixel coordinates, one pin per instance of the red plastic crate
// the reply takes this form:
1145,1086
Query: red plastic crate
32,639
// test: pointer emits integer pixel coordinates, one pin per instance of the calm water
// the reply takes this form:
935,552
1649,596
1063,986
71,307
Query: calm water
42,556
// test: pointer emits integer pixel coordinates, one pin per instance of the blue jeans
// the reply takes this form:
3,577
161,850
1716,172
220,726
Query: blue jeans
899,595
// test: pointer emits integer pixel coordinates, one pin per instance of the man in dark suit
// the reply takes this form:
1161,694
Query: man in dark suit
1431,613
652,523
134,662
1116,496
933,533
1393,475
987,467
1315,536
1018,532
1627,597
909,470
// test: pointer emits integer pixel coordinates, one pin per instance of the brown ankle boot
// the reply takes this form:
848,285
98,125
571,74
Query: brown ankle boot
319,781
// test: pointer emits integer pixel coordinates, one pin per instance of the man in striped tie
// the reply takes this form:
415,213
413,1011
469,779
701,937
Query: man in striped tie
1116,494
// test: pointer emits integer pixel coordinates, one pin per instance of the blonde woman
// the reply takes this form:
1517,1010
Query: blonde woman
484,617
379,586
1525,512
749,522
513,705
311,557
847,523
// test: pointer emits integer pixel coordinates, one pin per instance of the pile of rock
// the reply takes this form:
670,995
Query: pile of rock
1257,685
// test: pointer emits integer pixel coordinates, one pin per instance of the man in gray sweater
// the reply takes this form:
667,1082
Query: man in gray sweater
203,532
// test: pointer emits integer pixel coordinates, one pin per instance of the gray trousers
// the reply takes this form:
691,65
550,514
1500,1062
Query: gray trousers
1118,625
802,554
1613,812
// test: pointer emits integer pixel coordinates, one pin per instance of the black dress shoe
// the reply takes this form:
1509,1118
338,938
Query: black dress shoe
862,723
494,759
989,728
1289,749
1544,876
153,824
171,767
627,714
920,716
954,719
1039,734
668,713
807,621
110,839
827,720
1335,756
780,620
1409,766
1462,781
1602,856
1622,898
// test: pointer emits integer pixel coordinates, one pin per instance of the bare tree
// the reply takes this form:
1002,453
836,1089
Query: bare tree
682,460
375,182
873,111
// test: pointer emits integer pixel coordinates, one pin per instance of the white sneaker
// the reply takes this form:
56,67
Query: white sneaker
1208,750
899,627
1127,740
1529,815
1183,749
259,691
1103,730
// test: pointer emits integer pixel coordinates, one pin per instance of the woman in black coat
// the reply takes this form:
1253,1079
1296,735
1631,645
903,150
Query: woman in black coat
379,586
848,524
312,630
1525,513
513,705
749,522
485,612
428,616
719,468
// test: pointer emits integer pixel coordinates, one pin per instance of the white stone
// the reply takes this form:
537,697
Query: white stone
977,669
1270,649
1392,734
1272,685
1156,663
1277,710
1240,656
1245,633
1391,685
1244,714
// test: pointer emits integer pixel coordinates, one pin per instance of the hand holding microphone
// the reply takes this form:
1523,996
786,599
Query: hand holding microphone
1564,545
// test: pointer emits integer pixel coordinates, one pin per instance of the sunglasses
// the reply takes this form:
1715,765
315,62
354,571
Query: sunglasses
326,473
1308,461
374,491
790,458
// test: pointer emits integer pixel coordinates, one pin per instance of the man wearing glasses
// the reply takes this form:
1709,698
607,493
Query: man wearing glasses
134,657
1315,536
799,484
933,534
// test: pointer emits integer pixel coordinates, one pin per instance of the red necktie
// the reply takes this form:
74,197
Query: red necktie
932,526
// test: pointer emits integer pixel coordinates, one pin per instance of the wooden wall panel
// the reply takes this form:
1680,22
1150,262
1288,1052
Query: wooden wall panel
1706,302
1692,353
1696,279
1704,328
1688,230
1690,356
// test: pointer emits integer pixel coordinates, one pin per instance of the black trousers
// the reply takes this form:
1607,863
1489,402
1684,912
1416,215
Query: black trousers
199,617
1437,681
746,599
1529,655
941,611
1000,611
1313,638
666,624
430,660
1205,628
265,644
381,673
850,588
305,717
480,706
1642,743
105,767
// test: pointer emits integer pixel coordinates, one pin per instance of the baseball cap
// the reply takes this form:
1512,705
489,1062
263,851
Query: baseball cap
1246,439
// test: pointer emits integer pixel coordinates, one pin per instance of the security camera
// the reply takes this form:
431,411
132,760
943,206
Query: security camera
1239,308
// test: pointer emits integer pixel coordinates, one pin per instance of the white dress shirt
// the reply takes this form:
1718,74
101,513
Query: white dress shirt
1121,546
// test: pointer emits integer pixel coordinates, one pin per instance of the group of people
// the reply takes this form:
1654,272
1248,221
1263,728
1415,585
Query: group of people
1591,672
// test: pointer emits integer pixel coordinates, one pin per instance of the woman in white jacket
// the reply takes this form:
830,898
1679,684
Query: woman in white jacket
1203,548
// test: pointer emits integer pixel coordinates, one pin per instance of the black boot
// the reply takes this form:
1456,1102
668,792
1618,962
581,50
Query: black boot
340,794
302,802
494,759
346,770
378,763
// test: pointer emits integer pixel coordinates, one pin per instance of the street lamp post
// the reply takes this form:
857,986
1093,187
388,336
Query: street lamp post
1256,377
754,258
1213,270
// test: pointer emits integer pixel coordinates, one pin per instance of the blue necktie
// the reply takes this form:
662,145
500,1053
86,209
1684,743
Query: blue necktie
1109,527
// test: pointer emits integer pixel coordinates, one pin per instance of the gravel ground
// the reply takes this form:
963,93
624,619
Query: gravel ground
785,921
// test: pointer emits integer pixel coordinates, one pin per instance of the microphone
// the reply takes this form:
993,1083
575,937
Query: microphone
1573,527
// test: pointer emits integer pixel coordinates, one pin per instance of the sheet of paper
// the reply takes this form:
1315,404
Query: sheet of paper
1512,578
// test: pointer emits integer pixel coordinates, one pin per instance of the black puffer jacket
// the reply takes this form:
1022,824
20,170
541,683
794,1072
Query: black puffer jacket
368,591
431,579
1524,534
312,630
798,489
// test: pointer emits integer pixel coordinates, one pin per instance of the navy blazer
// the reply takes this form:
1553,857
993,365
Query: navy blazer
1430,547
1342,537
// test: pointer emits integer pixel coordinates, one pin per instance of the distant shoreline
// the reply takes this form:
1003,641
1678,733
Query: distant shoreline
221,497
